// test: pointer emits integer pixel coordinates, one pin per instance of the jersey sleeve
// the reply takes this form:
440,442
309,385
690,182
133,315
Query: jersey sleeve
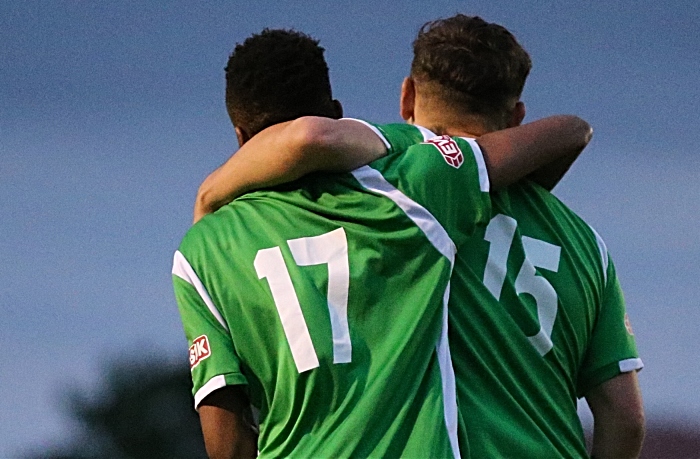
612,349
213,359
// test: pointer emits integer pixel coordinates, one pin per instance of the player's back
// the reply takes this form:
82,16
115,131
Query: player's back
536,320
329,296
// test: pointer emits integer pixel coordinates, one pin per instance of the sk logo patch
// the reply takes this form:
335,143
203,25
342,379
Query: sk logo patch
449,150
199,350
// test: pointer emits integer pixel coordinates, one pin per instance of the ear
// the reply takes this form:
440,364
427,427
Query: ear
241,135
408,99
338,109
517,115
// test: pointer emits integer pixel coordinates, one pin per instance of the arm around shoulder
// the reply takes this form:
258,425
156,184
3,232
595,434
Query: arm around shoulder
543,149
618,415
288,151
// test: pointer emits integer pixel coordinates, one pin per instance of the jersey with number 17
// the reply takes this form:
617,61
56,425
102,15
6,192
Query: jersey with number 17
327,300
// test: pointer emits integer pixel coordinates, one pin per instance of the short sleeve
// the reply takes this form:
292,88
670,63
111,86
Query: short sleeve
612,349
213,360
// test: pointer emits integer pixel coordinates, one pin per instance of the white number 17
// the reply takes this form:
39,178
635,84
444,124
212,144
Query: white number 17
330,249
538,254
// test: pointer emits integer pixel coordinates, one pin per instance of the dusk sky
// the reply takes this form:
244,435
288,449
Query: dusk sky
112,113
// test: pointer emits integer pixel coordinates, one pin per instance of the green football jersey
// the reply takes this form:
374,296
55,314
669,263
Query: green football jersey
537,318
327,300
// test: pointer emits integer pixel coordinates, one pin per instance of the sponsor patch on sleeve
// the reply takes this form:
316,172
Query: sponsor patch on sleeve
199,350
449,150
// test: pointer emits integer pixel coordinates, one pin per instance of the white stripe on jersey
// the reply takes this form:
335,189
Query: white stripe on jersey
374,129
183,270
484,183
628,365
440,239
217,382
375,182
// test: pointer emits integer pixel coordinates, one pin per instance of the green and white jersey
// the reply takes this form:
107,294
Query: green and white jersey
537,318
327,299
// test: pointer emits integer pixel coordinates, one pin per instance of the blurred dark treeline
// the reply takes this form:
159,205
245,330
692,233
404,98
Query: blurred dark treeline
138,411
145,411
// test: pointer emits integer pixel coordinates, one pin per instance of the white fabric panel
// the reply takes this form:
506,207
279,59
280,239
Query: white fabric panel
183,270
631,365
217,382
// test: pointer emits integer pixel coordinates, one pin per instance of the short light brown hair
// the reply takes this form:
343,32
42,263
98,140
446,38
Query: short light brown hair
477,66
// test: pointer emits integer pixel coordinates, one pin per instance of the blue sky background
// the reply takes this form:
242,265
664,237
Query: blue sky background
111,113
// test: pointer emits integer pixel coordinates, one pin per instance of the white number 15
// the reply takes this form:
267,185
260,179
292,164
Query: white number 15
538,254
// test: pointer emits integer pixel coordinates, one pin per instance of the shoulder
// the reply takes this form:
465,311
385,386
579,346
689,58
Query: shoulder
536,208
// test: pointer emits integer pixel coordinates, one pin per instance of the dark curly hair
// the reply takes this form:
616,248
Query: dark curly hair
468,62
274,76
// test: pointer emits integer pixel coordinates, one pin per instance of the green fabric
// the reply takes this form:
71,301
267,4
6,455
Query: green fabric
388,400
515,402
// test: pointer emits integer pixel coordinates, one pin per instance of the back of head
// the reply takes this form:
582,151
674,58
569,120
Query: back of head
275,76
475,66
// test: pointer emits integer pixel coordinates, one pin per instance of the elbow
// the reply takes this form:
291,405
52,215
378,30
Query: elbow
204,203
585,131
636,427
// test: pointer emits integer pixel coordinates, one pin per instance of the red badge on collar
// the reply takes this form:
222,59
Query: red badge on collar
449,150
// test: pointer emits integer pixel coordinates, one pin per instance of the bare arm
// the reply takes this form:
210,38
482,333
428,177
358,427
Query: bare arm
618,417
285,152
288,151
227,424
543,150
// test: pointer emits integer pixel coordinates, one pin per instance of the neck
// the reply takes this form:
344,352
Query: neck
462,126
440,119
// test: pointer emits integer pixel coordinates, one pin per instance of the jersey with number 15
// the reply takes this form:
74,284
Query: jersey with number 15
537,319
327,299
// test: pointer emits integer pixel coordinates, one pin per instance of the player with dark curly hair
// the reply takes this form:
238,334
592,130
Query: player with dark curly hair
276,76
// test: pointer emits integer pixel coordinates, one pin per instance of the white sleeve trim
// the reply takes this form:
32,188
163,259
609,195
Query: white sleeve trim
484,183
374,129
628,365
217,382
183,270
